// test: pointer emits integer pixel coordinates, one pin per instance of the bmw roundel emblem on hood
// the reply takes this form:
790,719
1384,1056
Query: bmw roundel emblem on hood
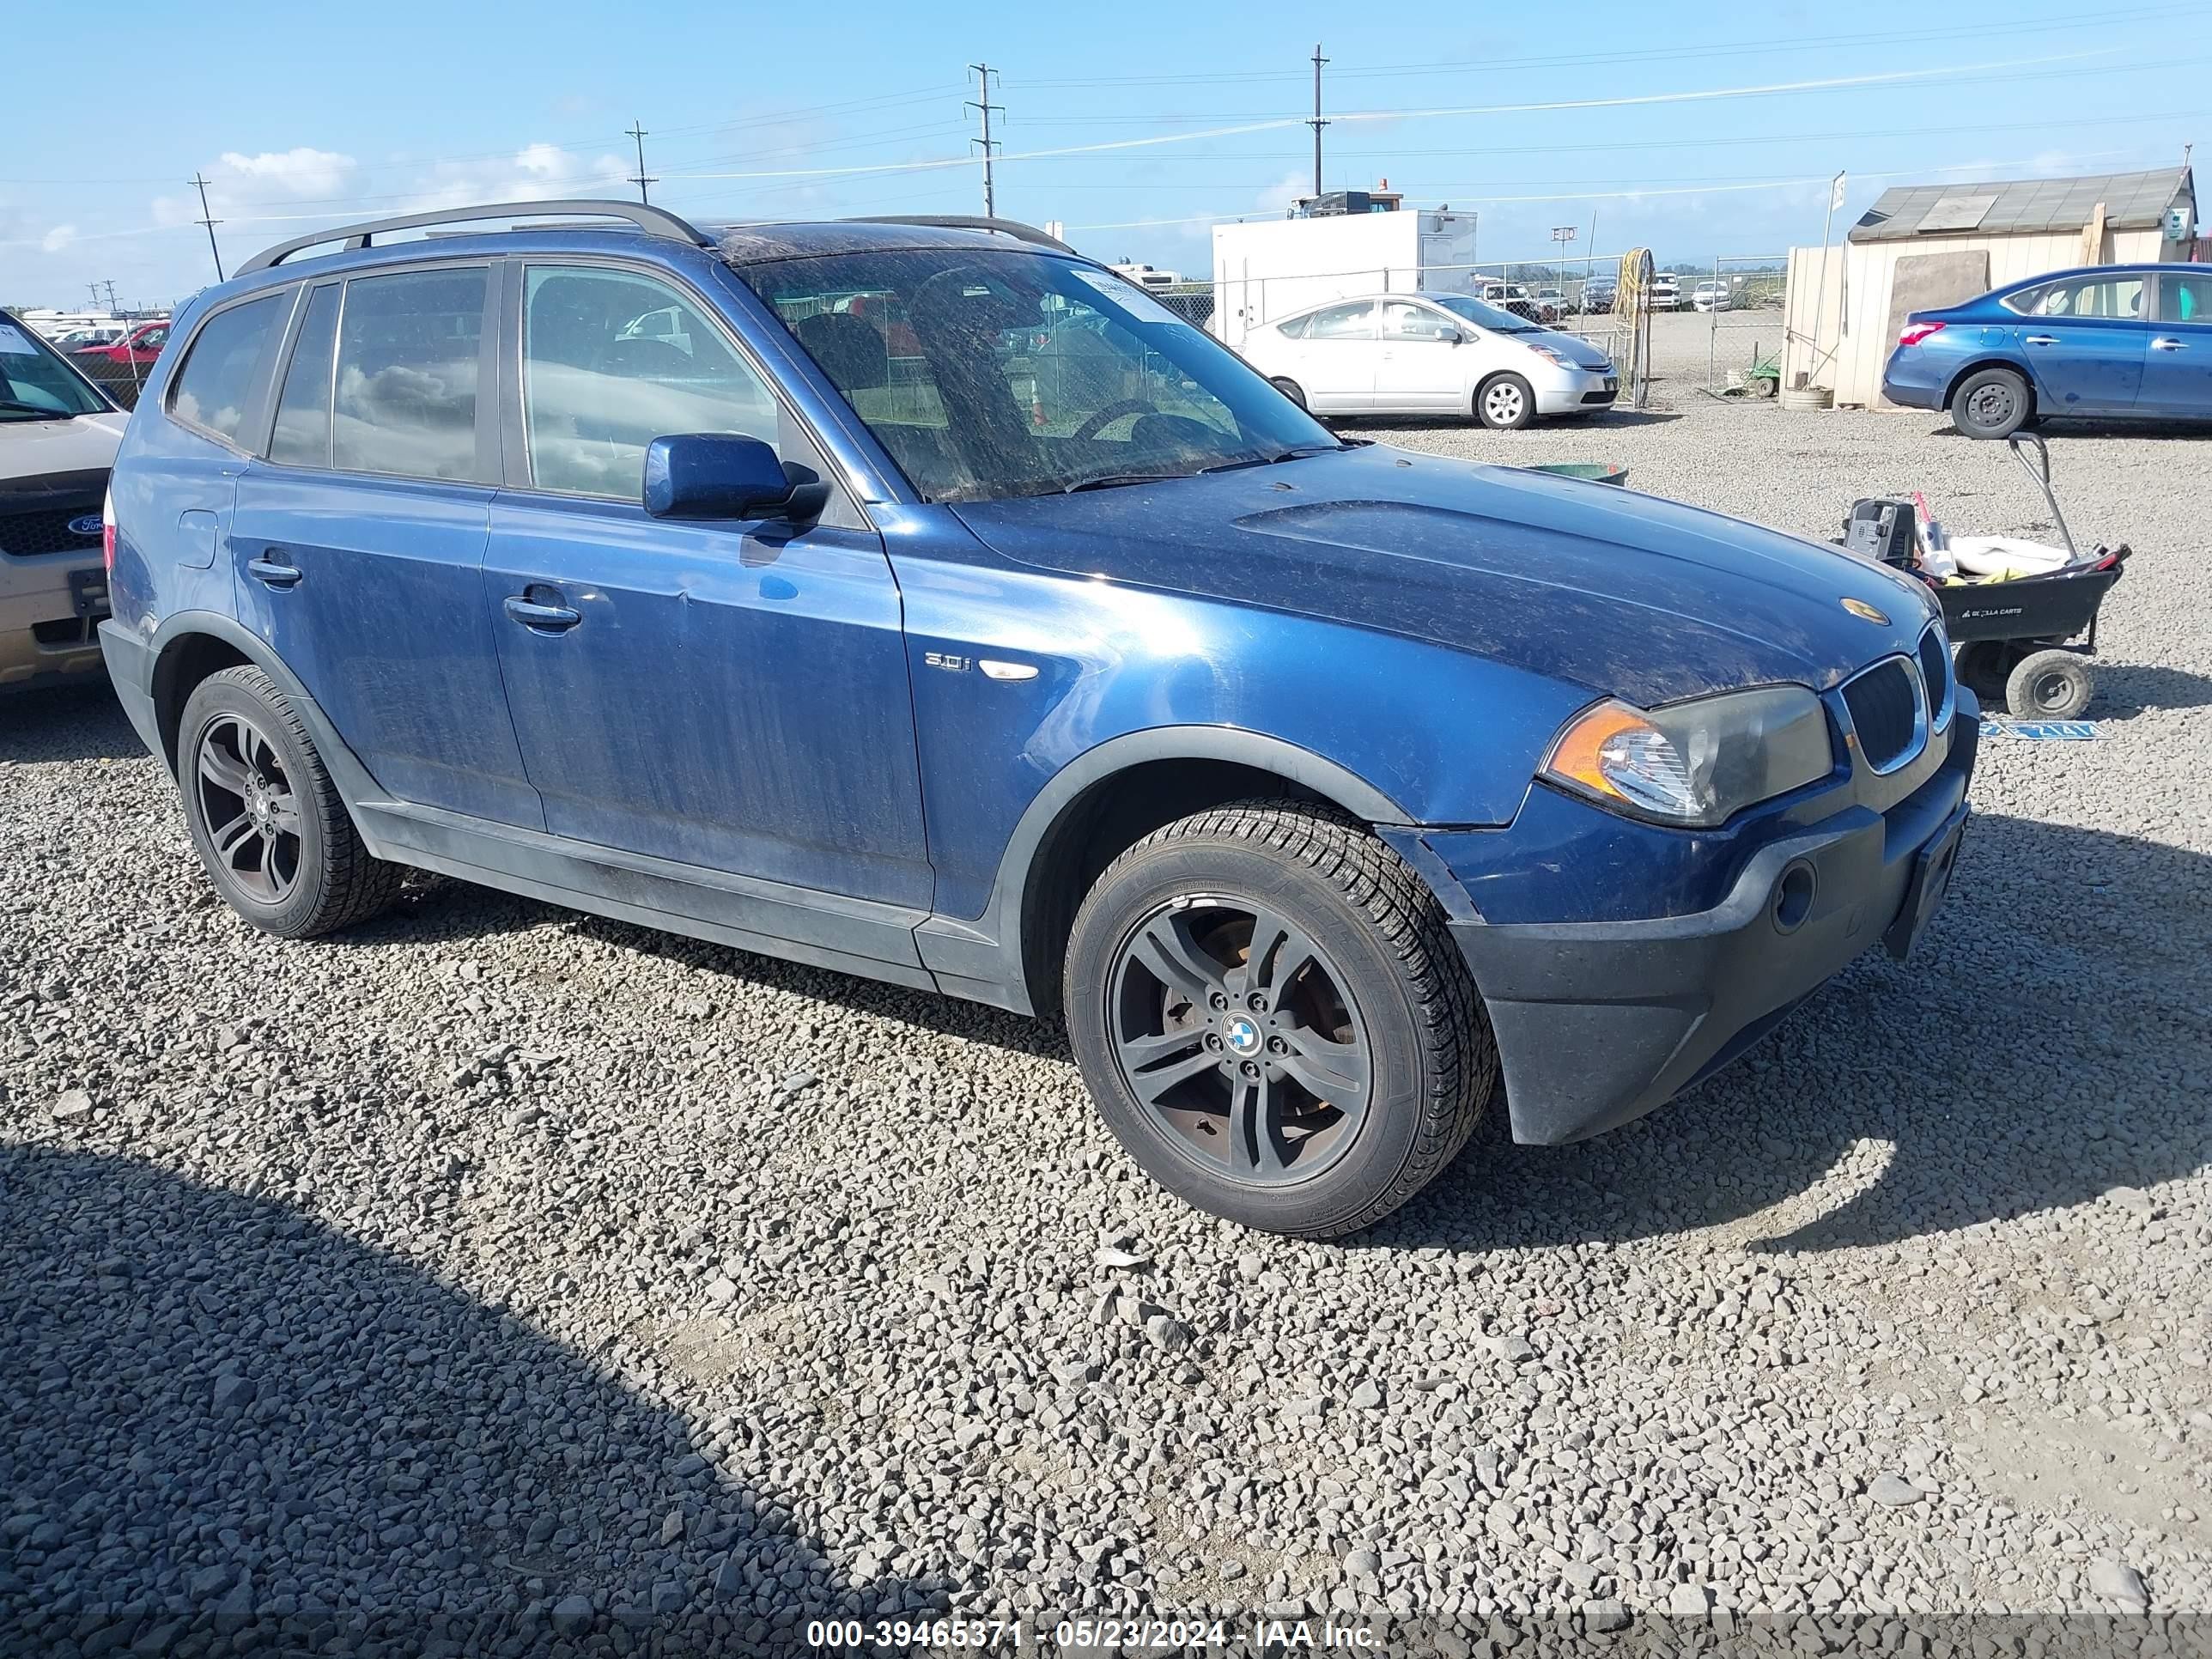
90,524
1865,612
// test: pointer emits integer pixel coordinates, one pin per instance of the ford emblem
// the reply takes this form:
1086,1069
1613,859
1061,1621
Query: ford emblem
90,524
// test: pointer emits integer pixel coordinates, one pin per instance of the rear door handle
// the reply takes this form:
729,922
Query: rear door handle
546,618
2168,342
271,568
2040,339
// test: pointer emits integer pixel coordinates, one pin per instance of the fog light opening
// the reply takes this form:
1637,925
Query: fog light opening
1792,898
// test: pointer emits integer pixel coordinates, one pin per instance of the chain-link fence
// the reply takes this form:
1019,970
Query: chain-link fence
1740,298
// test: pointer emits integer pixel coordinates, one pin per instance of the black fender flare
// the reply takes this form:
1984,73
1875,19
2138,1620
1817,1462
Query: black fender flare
984,958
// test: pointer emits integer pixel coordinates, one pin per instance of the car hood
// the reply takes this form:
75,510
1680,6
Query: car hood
32,452
1621,592
1575,349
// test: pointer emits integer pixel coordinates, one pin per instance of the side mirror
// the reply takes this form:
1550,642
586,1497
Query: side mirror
720,474
1454,336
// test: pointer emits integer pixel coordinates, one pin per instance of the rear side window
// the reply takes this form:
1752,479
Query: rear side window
218,378
405,398
302,436
1353,322
2118,299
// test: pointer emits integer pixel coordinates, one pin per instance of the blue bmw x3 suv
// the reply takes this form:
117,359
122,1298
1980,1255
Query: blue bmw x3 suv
922,600
2110,342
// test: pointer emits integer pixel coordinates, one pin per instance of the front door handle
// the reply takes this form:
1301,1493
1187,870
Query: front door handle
2168,342
546,618
2040,339
271,568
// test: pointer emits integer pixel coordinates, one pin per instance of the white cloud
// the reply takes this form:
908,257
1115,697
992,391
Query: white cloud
57,238
536,172
239,185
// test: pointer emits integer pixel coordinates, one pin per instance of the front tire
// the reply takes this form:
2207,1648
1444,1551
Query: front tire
1991,402
263,816
1505,403
1272,1017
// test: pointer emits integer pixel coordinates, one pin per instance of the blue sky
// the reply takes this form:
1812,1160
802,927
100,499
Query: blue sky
301,116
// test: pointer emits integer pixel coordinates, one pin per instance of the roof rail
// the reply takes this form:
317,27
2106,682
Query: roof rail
652,221
1013,227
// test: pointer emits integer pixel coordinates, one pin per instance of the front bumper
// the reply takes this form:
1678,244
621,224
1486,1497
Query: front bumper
1576,392
1599,1022
46,619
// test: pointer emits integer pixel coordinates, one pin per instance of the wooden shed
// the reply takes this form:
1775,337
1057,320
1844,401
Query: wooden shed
1923,245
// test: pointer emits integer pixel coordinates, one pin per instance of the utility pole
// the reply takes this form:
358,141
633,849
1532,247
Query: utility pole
211,221
1317,123
109,285
983,74
637,131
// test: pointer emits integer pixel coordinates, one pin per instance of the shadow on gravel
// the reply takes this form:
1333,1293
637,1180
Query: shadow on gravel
2087,427
224,1425
72,722
2052,1042
2124,689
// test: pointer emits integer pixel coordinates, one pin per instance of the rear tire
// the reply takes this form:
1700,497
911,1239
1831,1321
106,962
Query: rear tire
1200,1060
263,816
2048,685
1290,389
1991,402
1505,403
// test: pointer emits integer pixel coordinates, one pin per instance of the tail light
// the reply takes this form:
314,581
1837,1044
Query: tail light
107,532
1916,332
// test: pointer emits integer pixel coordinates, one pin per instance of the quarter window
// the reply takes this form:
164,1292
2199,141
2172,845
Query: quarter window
612,360
302,435
219,376
406,380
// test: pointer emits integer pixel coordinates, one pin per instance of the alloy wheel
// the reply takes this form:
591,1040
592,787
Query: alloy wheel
1502,404
245,800
1237,1031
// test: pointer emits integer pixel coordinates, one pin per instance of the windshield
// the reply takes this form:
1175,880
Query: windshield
33,381
989,374
1489,317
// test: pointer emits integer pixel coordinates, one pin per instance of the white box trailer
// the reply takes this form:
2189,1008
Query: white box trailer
1269,268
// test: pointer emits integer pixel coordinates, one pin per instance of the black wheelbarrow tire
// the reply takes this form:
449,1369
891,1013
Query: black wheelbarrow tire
1983,665
2048,685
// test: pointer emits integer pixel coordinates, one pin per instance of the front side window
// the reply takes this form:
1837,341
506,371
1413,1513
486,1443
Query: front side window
224,366
34,383
989,373
2184,298
1402,320
405,389
612,360
1483,316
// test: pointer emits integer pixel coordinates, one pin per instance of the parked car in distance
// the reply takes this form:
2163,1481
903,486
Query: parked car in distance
58,435
1508,296
1711,296
1430,354
91,334
140,347
1551,305
1598,298
2113,341
1313,783
1665,293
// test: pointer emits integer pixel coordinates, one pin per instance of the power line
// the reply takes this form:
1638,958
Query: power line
637,131
211,221
983,73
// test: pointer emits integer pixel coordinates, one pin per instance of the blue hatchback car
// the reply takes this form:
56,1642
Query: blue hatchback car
922,600
2112,342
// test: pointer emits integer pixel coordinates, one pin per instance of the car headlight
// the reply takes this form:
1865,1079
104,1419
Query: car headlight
1694,763
1558,357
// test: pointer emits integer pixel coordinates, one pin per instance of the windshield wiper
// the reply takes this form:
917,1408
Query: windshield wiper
20,408
1275,459
1115,480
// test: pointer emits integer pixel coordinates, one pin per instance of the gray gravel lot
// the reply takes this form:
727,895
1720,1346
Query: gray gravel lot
508,1279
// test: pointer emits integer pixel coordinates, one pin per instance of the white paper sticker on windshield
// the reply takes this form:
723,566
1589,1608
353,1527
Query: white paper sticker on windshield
1131,299
14,343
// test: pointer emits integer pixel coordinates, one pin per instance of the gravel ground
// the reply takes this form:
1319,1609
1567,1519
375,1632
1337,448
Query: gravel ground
498,1280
